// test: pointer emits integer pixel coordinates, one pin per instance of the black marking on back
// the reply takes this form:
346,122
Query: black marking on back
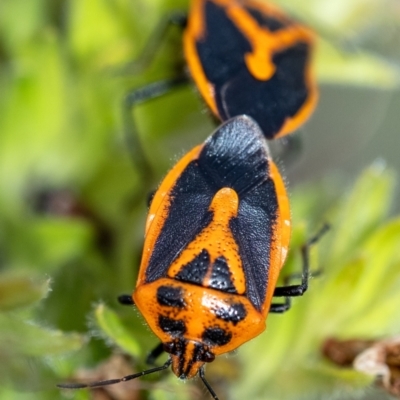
234,156
221,52
221,277
235,313
266,21
188,216
237,92
170,296
216,336
196,270
174,327
253,232
270,102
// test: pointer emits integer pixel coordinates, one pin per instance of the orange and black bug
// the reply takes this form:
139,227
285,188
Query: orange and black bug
216,238
248,57
245,57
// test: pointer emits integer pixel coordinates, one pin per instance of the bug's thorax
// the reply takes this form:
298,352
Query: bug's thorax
212,259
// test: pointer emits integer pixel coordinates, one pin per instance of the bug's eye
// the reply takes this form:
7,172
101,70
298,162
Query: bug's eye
173,348
207,356
169,347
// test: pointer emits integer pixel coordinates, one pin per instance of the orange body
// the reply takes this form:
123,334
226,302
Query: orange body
208,273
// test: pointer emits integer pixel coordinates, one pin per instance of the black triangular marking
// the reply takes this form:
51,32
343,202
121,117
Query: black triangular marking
195,270
221,277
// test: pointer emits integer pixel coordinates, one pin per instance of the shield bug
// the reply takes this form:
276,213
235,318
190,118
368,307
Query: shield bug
216,238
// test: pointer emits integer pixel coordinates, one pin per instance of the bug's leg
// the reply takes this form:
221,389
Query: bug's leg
131,136
154,42
206,384
280,308
288,290
149,91
126,300
154,354
113,381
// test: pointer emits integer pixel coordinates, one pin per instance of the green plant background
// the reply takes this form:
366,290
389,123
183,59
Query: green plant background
62,81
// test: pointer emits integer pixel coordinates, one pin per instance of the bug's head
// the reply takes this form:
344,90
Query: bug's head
187,357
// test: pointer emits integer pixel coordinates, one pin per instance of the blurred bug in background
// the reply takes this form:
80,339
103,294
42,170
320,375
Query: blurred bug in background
245,57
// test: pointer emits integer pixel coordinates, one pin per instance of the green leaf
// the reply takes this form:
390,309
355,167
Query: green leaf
59,240
96,27
18,290
377,295
361,212
23,338
111,325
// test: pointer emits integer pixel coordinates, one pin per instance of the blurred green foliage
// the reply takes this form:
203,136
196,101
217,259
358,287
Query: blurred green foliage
72,210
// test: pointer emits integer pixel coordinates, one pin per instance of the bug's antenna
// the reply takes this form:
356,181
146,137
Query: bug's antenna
206,384
113,381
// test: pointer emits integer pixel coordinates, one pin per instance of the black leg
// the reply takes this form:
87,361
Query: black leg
131,100
150,91
157,38
280,308
126,300
289,291
154,354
